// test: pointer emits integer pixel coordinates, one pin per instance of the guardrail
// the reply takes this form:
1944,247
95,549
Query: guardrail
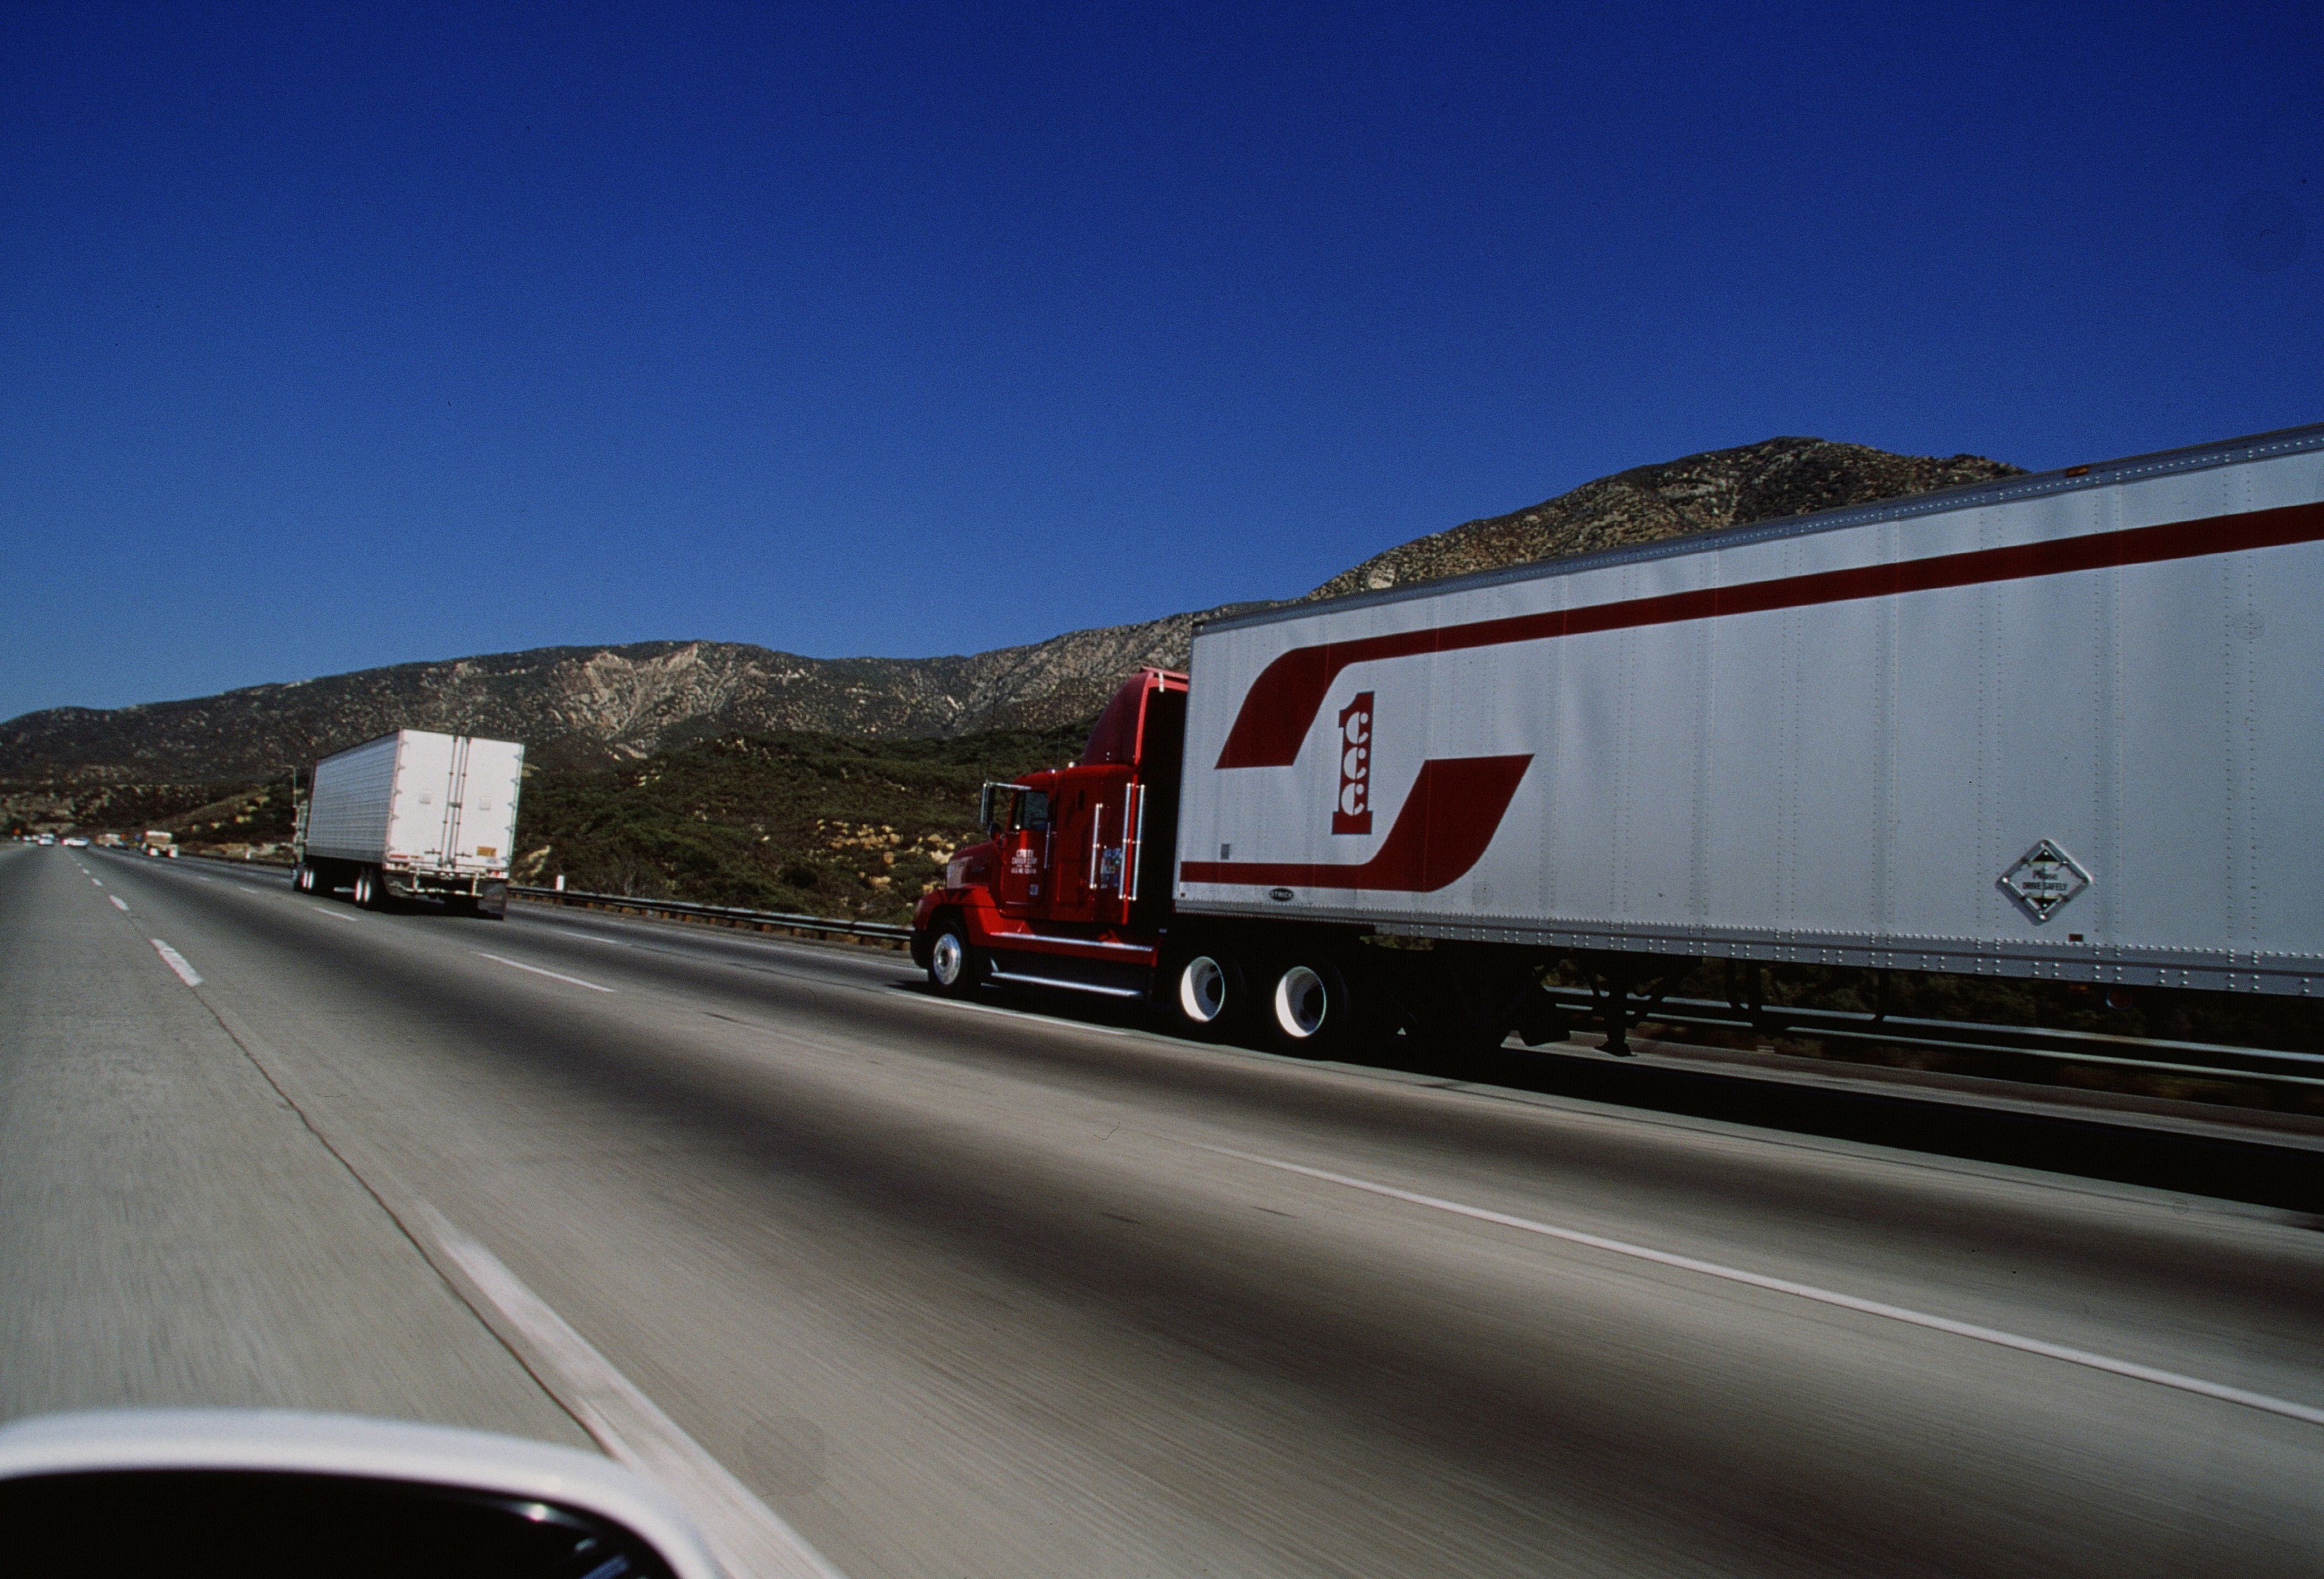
2198,1060
731,915
2078,1047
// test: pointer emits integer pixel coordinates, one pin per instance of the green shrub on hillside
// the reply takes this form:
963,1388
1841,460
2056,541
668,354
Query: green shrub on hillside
790,821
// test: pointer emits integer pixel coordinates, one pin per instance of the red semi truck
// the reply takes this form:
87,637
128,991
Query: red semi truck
2060,726
1075,888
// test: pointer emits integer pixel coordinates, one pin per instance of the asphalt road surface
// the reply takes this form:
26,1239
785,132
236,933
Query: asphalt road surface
943,1289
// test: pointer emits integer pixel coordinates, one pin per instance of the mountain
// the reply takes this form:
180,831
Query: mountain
1698,492
586,707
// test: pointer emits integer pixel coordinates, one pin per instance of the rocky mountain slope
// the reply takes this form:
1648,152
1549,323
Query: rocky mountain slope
1699,493
581,707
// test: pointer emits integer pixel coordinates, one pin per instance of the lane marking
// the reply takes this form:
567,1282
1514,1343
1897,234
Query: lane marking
116,901
334,915
1017,1014
98,880
1960,1329
176,961
750,1536
536,970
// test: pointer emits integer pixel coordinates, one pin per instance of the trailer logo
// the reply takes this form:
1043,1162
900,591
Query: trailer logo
1352,813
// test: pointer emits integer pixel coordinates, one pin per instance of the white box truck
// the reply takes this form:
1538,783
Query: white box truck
2069,725
412,814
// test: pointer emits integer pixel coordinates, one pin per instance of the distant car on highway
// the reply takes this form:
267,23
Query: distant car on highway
47,839
76,842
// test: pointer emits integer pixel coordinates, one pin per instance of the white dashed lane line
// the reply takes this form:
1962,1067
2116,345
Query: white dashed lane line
536,970
116,901
176,961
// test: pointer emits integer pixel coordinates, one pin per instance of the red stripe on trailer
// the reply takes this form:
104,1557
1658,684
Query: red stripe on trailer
1452,813
1281,705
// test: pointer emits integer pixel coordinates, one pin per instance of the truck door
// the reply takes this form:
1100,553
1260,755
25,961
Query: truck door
1090,807
1073,809
1022,885
456,795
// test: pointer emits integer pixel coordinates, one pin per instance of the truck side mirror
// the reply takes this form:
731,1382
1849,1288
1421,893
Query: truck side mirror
984,809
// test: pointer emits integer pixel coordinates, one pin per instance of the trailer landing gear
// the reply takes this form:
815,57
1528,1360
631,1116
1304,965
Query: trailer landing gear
1625,996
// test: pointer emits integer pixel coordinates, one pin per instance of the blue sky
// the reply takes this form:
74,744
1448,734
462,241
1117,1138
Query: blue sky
334,336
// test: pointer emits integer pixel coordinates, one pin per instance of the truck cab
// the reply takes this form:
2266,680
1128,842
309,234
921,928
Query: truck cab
1071,885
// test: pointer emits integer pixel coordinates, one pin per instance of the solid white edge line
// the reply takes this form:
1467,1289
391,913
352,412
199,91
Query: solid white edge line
116,901
176,961
1034,1016
1961,1329
748,1536
536,970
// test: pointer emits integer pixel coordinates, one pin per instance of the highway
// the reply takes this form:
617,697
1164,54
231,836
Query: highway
934,1289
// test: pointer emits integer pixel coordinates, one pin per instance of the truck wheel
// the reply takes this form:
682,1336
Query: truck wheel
955,968
302,879
366,890
1312,1010
1207,994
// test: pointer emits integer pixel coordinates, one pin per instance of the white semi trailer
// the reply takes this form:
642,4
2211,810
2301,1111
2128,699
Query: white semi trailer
413,814
2069,725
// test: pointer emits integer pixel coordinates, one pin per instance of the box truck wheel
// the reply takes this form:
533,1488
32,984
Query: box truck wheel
367,893
955,968
1207,993
1311,1009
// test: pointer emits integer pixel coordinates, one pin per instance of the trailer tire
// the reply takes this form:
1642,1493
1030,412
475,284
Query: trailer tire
302,878
1311,1011
367,894
955,966
1207,994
